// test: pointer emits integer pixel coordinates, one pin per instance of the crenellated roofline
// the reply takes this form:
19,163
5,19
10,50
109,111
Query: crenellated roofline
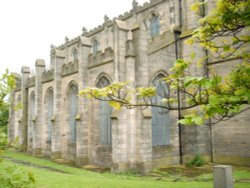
108,23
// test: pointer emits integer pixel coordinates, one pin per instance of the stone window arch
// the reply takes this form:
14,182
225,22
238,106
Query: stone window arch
160,117
31,118
154,24
50,111
73,110
95,46
104,115
75,54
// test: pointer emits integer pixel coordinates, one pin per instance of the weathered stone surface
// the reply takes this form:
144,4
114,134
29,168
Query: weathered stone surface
223,177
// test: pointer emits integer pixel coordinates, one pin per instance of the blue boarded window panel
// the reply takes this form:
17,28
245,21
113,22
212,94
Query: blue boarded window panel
160,117
154,26
50,99
105,114
73,108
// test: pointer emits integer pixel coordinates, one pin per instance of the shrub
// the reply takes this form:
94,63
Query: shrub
196,161
13,176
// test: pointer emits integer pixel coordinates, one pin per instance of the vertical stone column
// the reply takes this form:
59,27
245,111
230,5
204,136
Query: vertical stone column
38,123
24,101
58,57
120,127
131,114
143,117
120,37
82,145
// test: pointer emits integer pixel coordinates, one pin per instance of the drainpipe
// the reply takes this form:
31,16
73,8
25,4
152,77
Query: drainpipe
209,122
206,71
180,14
177,33
176,36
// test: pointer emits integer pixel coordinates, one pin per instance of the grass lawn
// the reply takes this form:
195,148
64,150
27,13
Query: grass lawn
49,174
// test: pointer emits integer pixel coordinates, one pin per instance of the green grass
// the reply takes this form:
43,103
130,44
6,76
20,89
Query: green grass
80,178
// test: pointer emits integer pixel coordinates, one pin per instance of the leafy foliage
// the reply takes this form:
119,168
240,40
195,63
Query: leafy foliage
225,30
13,176
196,161
16,177
3,140
224,33
7,83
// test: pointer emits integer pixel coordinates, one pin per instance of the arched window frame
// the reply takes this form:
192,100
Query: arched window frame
95,47
154,25
32,110
160,117
105,115
75,54
73,111
49,100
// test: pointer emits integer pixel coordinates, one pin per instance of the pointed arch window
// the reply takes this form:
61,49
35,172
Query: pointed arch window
31,117
104,116
73,110
32,105
95,46
50,109
160,117
154,26
75,55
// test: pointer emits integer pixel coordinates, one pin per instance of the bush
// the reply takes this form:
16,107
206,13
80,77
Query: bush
13,176
196,161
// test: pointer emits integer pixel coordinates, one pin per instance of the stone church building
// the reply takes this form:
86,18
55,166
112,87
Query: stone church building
140,45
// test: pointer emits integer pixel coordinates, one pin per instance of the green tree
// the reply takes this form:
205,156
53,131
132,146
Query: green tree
7,83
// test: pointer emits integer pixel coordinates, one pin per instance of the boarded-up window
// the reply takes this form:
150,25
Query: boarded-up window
73,110
105,114
160,117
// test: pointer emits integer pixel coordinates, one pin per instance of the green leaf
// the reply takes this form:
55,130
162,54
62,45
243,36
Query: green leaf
186,121
115,105
198,120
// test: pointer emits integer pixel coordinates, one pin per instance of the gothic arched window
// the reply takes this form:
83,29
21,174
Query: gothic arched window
73,110
95,47
75,55
50,111
31,117
160,117
154,26
105,113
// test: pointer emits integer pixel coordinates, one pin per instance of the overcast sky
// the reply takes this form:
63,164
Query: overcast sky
29,27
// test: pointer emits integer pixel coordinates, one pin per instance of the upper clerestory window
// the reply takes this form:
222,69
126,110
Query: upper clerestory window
95,47
75,55
154,26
